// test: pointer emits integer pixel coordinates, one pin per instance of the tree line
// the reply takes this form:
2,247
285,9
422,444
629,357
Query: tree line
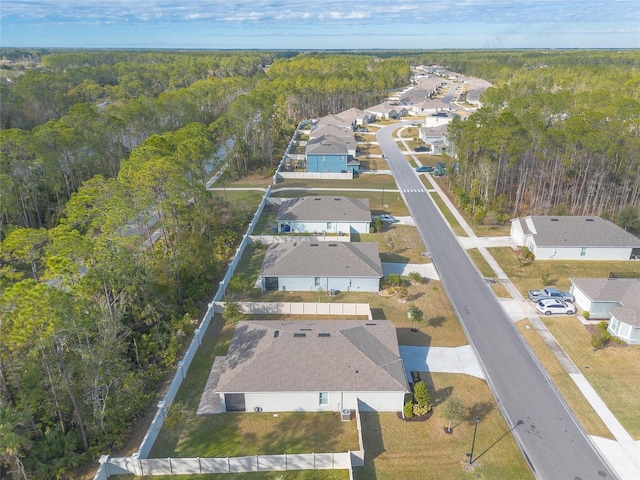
92,311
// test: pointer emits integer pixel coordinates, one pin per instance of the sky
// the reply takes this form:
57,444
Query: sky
320,24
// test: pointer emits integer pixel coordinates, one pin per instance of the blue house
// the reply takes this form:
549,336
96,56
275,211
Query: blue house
329,154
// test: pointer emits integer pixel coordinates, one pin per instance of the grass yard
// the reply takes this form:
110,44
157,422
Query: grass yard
585,413
529,276
245,434
613,372
396,449
397,244
247,197
373,164
361,181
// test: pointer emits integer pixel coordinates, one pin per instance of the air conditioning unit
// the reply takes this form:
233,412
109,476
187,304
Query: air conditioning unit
345,415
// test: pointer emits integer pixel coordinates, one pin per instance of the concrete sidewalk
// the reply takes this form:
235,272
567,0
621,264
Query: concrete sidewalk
623,455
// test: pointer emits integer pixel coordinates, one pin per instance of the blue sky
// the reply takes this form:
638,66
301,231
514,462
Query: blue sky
320,24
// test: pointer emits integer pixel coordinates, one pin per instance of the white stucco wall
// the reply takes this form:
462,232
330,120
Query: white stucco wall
308,284
624,331
517,234
597,309
310,401
329,227
575,253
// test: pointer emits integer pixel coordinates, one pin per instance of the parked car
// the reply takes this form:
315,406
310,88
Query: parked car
415,123
550,292
422,148
388,218
554,305
425,168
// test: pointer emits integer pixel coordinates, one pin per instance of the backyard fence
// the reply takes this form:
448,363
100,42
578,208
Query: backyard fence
269,239
300,308
314,175
254,463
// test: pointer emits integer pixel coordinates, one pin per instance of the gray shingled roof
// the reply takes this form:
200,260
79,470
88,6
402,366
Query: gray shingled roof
322,259
353,355
626,291
337,131
327,145
325,209
578,232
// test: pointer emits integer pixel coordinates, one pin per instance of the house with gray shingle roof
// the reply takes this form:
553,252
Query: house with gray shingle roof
344,134
573,238
330,154
324,214
311,266
613,299
308,366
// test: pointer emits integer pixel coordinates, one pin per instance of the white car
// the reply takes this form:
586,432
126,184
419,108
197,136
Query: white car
553,305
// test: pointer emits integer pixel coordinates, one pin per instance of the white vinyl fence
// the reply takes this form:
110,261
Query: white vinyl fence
301,308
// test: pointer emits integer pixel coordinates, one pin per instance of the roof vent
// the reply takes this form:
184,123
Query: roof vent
370,324
317,199
305,329
555,219
314,245
337,199
589,219
333,244
276,334
324,335
298,335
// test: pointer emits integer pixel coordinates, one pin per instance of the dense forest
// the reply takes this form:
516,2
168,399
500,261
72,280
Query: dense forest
98,149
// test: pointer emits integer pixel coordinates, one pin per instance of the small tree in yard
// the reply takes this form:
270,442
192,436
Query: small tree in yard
407,410
415,277
452,410
231,312
416,315
394,280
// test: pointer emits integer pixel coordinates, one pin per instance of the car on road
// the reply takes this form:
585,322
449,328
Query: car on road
415,123
388,218
554,305
424,168
550,292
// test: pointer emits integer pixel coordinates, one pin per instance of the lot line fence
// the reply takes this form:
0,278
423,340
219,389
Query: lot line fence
301,308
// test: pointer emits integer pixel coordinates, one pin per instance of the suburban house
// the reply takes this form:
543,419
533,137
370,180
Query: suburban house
327,154
333,119
345,134
386,111
311,266
357,117
320,214
308,366
573,238
436,136
613,299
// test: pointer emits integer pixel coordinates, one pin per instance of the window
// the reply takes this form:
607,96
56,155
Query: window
316,281
583,252
324,398
328,225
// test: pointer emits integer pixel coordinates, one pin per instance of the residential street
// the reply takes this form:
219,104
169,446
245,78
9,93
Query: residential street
552,441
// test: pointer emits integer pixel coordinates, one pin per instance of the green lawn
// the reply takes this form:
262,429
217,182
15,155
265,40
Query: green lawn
613,372
245,434
529,276
582,409
396,449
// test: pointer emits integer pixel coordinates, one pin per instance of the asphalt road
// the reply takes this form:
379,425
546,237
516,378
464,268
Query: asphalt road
554,444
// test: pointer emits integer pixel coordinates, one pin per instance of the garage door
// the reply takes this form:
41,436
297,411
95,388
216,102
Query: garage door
234,402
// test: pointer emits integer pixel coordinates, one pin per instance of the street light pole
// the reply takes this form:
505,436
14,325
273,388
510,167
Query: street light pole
383,196
473,443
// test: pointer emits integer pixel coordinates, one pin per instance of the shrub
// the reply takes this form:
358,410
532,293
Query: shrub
545,277
394,280
586,314
526,255
419,410
601,338
415,277
407,410
421,394
377,225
